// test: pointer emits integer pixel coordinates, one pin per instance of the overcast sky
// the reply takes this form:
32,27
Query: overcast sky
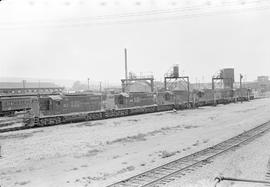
59,39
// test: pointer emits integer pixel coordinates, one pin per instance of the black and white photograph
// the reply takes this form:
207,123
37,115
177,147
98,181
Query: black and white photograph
134,93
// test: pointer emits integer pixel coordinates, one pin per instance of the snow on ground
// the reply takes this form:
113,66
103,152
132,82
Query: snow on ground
101,152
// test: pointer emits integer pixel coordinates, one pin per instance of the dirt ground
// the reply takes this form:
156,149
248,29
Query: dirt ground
251,161
99,153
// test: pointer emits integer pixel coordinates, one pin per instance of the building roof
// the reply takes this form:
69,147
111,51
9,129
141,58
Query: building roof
11,85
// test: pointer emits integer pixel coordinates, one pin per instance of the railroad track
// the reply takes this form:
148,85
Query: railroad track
267,174
176,169
11,129
10,122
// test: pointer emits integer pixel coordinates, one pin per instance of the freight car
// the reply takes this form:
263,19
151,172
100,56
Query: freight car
10,105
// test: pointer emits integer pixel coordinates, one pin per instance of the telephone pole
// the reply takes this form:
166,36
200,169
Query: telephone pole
241,77
24,83
100,88
126,68
88,83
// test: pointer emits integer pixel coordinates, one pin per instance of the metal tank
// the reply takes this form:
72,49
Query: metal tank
175,71
228,77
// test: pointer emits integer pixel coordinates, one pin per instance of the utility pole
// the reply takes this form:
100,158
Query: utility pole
241,77
24,83
100,88
126,69
213,91
38,86
88,83
101,97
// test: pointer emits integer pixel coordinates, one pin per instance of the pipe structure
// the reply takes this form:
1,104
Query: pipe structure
221,178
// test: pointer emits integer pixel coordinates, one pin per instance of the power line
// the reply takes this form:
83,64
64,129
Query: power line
145,16
143,13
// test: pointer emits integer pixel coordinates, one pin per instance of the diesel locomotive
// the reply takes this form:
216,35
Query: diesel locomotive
52,110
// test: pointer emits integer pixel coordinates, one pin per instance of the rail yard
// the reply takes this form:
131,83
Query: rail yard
127,138
100,153
116,93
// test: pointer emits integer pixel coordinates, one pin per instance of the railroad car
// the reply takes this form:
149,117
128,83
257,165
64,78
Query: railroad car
176,97
56,109
203,97
74,108
181,96
243,94
64,104
165,98
10,105
208,97
133,99
223,96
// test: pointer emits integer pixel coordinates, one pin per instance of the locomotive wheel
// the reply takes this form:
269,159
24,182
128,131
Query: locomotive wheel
58,120
87,118
42,122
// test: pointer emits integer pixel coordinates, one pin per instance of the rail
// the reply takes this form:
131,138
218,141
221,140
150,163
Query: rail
177,168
